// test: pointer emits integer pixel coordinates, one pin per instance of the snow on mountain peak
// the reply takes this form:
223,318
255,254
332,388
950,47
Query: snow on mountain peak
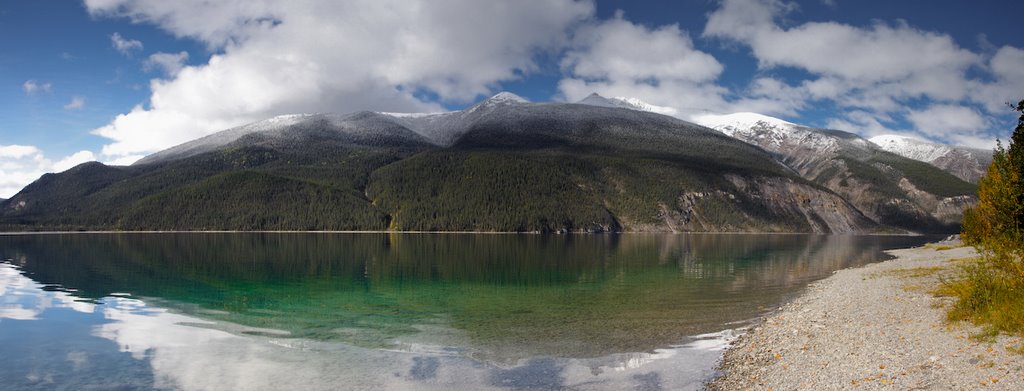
594,99
501,98
637,104
506,97
738,120
732,123
597,100
910,147
414,115
769,132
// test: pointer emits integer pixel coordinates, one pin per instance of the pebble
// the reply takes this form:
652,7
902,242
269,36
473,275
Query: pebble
859,329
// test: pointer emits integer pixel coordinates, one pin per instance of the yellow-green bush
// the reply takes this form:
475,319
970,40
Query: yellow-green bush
991,292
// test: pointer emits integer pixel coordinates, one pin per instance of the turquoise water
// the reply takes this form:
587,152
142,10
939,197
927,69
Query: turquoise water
393,311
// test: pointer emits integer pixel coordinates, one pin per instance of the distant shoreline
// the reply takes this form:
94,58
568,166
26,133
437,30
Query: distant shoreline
15,233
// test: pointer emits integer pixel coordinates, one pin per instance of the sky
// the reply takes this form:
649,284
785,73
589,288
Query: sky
115,80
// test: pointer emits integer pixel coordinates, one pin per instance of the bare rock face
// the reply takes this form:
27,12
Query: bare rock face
824,211
967,165
764,204
886,188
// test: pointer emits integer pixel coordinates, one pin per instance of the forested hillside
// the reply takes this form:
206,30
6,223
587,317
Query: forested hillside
503,165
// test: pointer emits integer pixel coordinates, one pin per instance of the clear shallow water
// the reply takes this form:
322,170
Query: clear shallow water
380,311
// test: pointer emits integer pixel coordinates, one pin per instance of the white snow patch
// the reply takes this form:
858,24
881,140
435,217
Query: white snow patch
728,123
768,132
414,115
911,148
638,104
627,103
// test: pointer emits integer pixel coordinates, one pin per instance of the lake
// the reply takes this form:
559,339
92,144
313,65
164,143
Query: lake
203,311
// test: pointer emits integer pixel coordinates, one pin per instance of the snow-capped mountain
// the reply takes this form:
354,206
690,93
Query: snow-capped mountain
501,165
599,164
911,148
503,97
365,127
444,128
886,187
219,139
965,163
968,164
626,103
771,133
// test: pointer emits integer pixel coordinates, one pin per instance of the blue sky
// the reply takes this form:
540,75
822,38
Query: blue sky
113,80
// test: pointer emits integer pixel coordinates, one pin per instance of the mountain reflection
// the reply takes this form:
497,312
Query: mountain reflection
499,298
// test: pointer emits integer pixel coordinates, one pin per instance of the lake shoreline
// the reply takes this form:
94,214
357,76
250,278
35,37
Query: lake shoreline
12,233
875,326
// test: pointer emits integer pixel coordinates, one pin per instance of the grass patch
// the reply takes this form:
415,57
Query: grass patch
915,272
988,296
941,247
916,288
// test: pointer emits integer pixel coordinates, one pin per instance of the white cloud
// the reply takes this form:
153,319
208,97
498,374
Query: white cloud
320,55
73,160
770,96
123,45
1007,86
76,103
17,151
877,73
618,50
32,87
23,164
169,63
866,124
124,160
273,58
217,23
660,66
947,120
922,62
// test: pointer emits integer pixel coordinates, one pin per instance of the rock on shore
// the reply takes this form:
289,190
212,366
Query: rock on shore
875,327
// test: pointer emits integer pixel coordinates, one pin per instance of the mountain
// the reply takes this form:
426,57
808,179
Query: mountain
504,164
968,164
888,188
626,103
366,128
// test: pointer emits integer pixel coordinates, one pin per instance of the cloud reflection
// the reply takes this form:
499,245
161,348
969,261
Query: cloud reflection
24,299
189,353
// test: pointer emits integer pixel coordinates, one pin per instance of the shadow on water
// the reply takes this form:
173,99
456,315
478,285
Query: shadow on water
499,298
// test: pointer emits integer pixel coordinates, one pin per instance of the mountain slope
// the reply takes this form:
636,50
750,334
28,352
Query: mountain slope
968,164
626,103
890,189
361,129
502,165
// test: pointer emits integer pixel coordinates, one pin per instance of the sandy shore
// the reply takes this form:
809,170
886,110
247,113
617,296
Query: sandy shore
875,327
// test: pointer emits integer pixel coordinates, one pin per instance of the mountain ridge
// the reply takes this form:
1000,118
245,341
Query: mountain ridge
888,188
966,163
504,164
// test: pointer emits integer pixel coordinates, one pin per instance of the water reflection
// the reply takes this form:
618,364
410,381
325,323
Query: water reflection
273,311
127,344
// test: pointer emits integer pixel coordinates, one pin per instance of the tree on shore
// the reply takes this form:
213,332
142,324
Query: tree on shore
990,292
996,224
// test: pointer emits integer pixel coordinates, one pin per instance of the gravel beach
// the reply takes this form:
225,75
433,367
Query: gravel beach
874,327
